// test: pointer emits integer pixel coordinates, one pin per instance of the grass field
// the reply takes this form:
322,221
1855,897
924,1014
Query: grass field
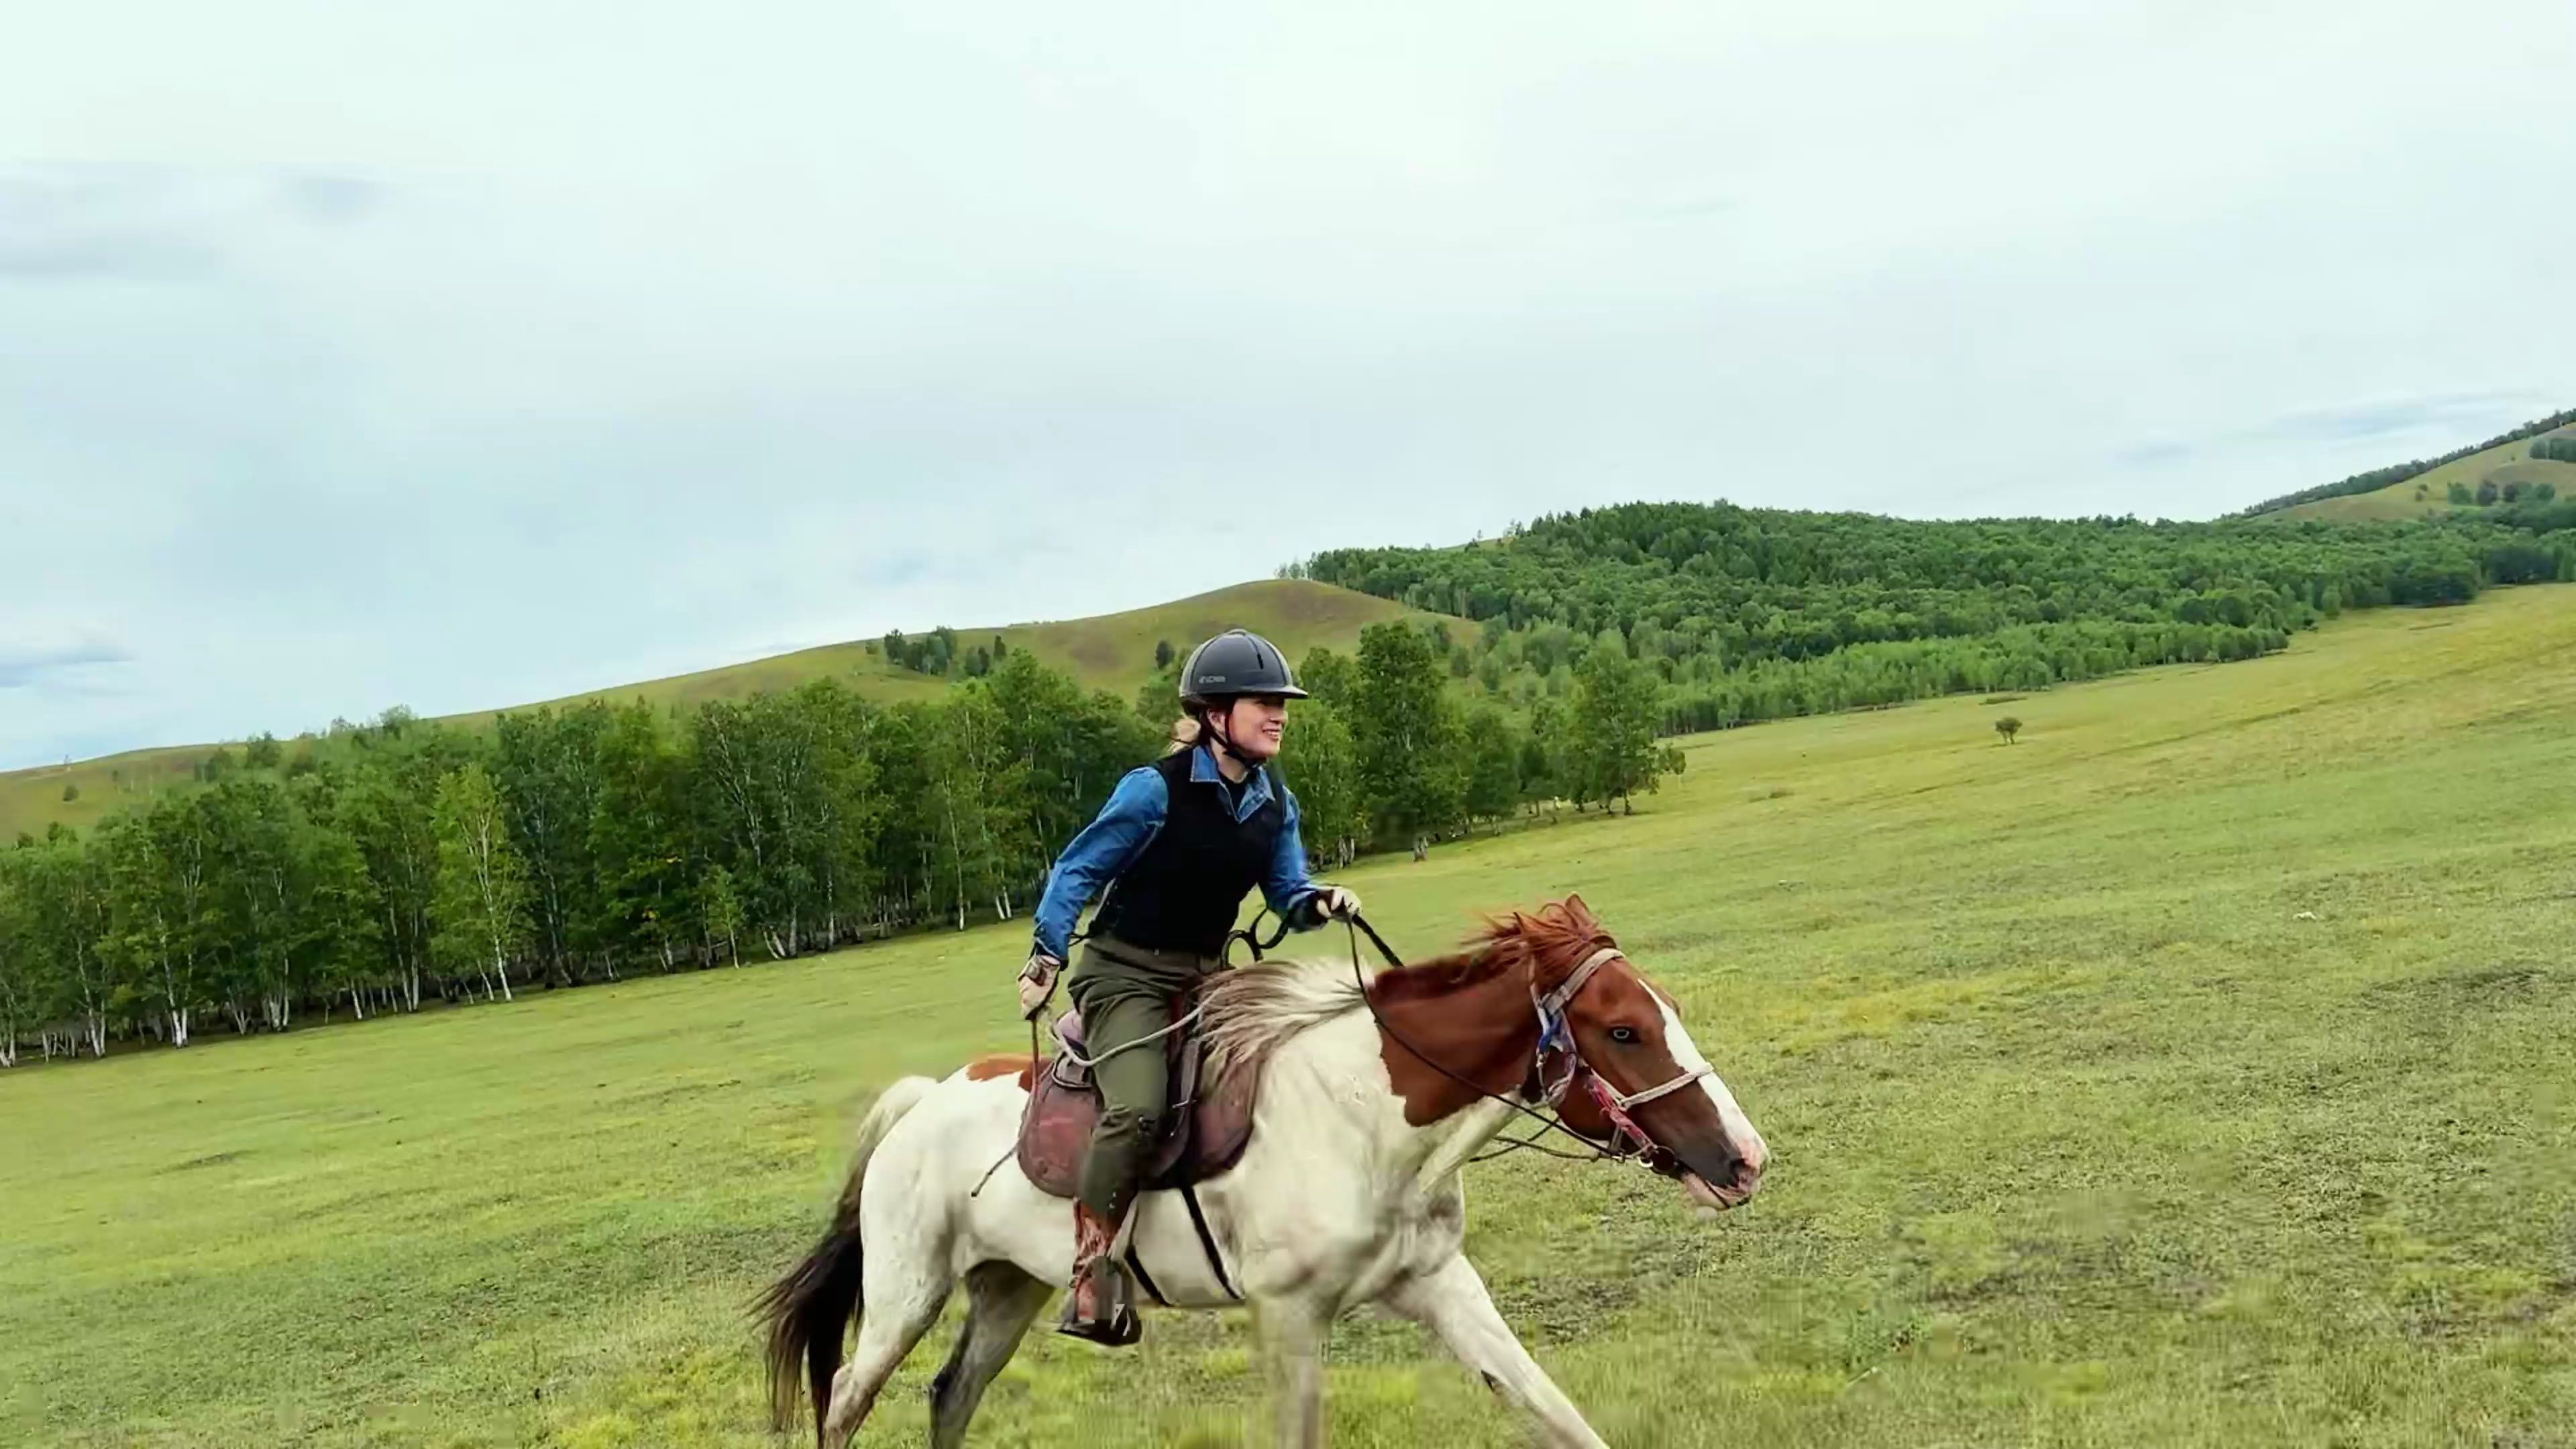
1110,651
2194,1071
2507,462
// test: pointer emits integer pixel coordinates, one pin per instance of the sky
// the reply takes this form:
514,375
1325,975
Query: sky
459,356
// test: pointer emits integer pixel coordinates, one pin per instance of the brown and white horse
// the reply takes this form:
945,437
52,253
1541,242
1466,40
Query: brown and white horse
1372,1099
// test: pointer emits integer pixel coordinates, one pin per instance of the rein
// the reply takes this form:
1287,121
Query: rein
1628,1141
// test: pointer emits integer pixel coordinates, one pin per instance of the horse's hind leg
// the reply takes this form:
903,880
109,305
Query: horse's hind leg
1000,1303
1452,1302
902,1299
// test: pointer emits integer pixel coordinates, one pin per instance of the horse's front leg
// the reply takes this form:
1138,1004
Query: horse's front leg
1451,1302
1292,1341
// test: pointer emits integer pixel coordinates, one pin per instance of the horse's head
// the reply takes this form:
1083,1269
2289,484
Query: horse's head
1629,1033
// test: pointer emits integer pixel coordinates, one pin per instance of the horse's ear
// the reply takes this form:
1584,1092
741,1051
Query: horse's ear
1575,907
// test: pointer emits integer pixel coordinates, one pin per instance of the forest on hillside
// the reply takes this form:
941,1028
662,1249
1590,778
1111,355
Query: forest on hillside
379,866
375,867
1750,614
2396,473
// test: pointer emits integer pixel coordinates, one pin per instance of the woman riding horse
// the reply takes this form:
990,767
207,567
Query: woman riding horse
1176,849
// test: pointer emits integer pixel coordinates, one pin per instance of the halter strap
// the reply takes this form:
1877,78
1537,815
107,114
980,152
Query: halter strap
1551,1007
1551,1028
1631,1099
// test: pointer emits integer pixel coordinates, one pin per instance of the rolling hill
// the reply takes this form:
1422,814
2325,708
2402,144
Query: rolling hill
1116,651
2429,493
2191,1071
1109,651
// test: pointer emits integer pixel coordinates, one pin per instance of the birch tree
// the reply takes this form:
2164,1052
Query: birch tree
639,842
546,765
975,803
17,957
160,910
65,918
482,898
389,811
722,913
333,939
1321,762
785,785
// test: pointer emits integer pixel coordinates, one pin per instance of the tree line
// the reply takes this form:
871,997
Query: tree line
2489,493
378,867
2396,473
939,652
1752,614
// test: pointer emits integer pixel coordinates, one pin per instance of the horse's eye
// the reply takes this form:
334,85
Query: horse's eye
1624,1035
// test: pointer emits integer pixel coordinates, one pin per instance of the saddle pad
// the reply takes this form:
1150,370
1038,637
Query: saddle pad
1205,1138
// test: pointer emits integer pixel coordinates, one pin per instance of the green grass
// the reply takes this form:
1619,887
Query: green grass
2084,1135
2506,462
1111,651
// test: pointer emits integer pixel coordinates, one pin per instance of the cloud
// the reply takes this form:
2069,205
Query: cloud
2396,428
81,222
519,370
899,567
30,667
329,198
152,222
2379,418
2161,453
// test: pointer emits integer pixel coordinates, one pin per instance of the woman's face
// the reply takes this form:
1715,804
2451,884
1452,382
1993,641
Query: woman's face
1256,723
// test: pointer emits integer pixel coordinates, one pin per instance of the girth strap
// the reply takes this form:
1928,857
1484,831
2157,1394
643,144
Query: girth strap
1144,1280
1207,1242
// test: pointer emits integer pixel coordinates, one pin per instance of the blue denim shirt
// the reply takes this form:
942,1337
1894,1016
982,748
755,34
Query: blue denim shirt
1111,843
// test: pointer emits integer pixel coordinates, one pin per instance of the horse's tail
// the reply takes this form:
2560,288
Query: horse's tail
808,1308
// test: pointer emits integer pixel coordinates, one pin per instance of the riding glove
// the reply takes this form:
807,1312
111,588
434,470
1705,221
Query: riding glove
1037,983
1334,902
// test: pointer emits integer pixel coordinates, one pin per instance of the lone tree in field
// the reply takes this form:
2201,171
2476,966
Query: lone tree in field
1162,654
2008,727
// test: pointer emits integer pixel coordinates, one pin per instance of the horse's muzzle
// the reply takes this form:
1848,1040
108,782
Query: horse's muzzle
1718,1197
1732,1183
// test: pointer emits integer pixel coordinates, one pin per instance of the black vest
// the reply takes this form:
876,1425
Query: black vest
1184,889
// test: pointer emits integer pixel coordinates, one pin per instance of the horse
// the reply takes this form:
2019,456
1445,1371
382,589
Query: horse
1374,1094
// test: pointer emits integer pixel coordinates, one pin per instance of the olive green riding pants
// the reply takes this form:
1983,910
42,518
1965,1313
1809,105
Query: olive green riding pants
1125,994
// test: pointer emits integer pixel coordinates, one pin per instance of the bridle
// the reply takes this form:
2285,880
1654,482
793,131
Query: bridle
1553,1033
1628,1141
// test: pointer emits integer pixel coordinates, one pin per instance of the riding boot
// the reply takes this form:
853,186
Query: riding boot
1098,1307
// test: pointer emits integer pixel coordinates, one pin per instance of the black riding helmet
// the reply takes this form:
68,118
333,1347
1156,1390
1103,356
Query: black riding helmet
1235,663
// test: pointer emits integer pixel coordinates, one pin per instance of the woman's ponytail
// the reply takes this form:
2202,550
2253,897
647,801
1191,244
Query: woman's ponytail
1184,734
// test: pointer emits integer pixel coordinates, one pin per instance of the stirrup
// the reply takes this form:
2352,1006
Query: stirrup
1116,1325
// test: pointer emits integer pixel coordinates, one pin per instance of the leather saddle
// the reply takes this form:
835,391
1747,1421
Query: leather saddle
1209,1122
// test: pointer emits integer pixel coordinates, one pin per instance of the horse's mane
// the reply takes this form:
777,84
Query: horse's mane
1244,1014
1548,945
1247,1013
